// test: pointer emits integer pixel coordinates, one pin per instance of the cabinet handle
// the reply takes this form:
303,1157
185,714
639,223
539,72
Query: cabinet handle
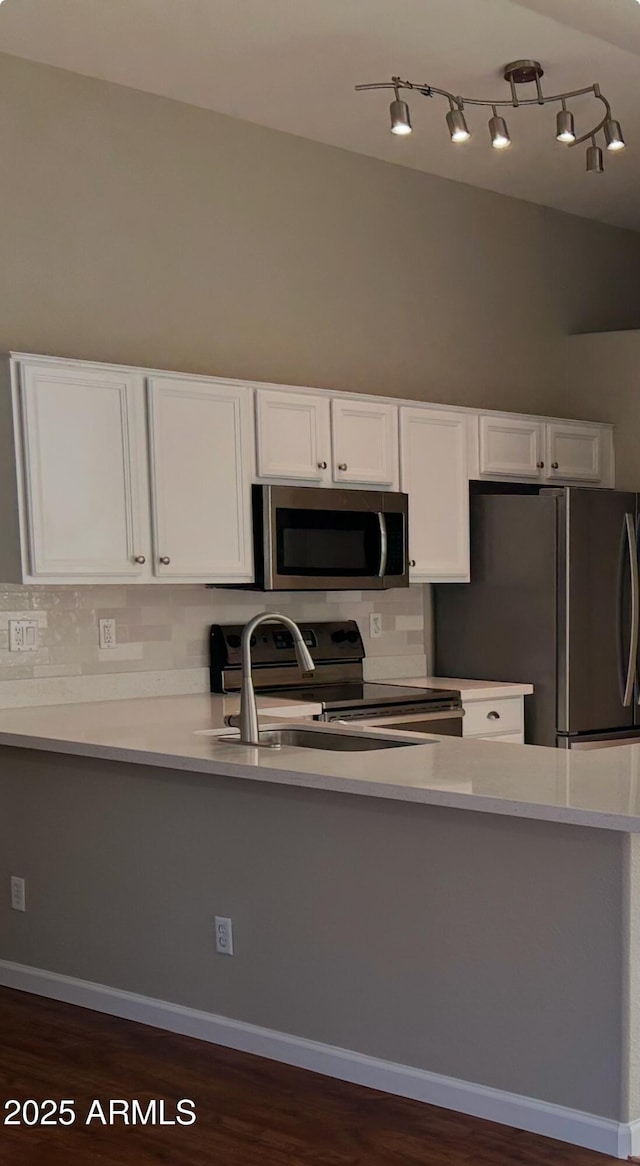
322,465
493,716
342,465
540,465
165,560
555,466
412,562
140,559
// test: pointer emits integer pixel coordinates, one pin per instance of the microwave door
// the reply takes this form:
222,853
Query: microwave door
311,539
394,561
316,539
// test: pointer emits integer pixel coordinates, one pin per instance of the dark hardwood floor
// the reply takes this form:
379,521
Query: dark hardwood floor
250,1112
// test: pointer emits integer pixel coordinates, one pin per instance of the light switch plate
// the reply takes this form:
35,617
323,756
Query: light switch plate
23,635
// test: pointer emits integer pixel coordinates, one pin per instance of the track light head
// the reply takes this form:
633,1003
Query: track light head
595,160
457,124
565,129
498,131
613,135
400,118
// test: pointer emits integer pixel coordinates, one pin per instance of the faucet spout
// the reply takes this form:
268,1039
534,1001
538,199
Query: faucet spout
248,720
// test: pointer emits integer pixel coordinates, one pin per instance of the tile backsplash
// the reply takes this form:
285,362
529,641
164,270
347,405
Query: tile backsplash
164,629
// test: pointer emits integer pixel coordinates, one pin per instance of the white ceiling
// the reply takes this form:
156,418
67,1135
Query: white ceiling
293,64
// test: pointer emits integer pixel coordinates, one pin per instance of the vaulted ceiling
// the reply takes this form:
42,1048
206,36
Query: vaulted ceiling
293,65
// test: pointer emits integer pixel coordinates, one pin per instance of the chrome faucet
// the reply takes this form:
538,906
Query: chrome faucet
247,722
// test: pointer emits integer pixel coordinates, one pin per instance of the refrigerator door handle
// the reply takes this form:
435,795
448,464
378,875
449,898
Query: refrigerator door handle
628,539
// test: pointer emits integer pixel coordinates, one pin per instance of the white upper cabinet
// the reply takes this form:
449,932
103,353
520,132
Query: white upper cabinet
85,503
324,441
510,447
365,442
200,440
534,449
293,436
111,474
434,473
574,451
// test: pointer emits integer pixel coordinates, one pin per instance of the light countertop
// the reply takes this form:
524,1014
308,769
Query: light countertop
468,689
600,788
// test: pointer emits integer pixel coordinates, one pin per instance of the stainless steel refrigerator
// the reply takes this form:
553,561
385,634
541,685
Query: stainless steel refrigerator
553,600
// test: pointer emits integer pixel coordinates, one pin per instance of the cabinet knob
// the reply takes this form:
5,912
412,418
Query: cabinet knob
493,716
165,560
555,466
322,465
540,465
342,465
140,559
412,562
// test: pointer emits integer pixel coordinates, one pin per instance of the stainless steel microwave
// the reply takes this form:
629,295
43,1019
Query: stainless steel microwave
310,539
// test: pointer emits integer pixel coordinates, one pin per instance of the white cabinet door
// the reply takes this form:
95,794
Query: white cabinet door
574,451
511,447
433,472
294,437
365,442
85,485
201,468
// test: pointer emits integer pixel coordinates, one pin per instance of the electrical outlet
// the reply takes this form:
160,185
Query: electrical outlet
23,635
224,935
107,633
375,625
18,901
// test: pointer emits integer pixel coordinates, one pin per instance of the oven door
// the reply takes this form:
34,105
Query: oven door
443,723
314,539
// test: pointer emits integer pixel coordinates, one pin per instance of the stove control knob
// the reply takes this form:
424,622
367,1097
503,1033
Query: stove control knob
353,637
339,637
233,640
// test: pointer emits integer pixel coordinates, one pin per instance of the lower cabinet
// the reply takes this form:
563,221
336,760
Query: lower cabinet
433,472
496,720
201,464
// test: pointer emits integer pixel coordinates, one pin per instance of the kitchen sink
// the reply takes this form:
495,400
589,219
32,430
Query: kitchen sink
320,738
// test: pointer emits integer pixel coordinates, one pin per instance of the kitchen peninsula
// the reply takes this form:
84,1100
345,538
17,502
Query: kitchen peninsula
385,931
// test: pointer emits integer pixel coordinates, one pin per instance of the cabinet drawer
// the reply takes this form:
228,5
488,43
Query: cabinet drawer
484,718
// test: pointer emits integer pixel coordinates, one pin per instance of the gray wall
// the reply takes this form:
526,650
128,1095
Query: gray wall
481,947
604,385
142,230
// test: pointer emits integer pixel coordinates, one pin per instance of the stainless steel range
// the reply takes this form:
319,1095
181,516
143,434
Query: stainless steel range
337,684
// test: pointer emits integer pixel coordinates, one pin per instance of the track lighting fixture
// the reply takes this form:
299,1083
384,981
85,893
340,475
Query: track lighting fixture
515,74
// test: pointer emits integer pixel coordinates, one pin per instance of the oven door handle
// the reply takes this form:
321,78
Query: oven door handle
384,544
443,715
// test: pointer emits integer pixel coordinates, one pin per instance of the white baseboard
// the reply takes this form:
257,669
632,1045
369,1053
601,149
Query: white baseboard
618,1139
